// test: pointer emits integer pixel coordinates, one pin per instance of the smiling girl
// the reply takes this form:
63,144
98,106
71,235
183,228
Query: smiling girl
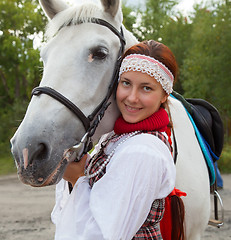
120,190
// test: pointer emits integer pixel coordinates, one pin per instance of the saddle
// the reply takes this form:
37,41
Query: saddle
209,130
208,121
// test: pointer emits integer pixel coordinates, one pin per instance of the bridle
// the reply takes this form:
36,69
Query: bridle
90,122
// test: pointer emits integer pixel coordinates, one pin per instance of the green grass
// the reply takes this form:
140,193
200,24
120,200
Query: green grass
7,165
224,163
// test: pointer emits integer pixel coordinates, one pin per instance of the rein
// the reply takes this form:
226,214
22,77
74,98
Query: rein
90,122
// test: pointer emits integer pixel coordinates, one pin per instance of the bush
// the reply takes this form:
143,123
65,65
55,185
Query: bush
224,163
7,165
10,118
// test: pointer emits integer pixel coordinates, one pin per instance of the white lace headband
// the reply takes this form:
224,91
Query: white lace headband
151,66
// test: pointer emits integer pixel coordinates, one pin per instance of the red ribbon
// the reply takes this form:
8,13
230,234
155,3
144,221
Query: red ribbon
177,192
166,222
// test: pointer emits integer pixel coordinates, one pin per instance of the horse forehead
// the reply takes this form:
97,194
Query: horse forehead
82,37
90,32
80,13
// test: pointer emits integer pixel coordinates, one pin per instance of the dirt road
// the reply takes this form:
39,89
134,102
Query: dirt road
25,211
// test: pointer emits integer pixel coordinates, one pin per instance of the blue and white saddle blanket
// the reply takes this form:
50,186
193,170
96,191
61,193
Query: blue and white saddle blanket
206,150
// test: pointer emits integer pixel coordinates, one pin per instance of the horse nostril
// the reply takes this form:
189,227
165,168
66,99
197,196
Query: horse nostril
40,153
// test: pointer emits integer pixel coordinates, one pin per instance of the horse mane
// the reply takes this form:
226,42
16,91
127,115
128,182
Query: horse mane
72,16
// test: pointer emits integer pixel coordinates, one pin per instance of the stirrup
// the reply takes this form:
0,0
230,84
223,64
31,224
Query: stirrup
216,222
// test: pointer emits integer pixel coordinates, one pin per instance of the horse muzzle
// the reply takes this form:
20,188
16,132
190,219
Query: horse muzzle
37,165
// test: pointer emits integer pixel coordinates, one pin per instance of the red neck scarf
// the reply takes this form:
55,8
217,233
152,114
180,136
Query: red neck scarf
158,121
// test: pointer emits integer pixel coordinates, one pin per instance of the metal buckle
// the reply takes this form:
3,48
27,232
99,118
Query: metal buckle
76,152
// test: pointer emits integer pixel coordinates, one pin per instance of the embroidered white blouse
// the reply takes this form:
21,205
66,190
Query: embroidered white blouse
140,171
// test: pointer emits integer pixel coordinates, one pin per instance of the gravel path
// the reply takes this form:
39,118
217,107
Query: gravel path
25,211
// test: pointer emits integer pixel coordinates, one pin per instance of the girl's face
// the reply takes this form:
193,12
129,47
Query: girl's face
138,96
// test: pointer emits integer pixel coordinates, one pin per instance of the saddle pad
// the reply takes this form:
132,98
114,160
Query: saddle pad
207,156
205,151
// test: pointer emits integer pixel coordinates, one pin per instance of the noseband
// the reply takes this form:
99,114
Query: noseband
91,122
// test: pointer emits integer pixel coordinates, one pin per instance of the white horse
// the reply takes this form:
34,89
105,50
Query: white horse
79,59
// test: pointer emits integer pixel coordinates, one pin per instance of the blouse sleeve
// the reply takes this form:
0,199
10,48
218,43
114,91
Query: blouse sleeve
119,203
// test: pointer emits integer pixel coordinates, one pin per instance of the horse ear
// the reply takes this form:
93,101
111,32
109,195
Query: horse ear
111,6
52,7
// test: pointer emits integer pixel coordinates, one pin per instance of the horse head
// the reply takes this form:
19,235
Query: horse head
79,59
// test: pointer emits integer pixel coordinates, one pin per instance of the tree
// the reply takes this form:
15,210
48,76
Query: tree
176,35
206,69
129,17
154,18
196,73
19,61
20,19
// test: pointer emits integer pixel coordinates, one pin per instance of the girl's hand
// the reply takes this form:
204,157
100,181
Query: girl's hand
75,170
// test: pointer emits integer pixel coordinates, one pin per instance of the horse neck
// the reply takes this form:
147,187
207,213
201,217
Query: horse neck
107,123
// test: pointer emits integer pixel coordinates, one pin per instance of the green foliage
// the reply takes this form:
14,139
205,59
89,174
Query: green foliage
206,69
176,35
224,162
10,118
20,21
7,165
19,62
154,18
130,18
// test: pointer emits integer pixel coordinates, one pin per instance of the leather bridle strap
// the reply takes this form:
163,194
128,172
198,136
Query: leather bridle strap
113,29
59,97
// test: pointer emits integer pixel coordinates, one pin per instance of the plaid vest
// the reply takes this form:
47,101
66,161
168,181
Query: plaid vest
150,229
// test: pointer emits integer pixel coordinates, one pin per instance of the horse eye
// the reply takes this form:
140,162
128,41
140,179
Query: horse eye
99,53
